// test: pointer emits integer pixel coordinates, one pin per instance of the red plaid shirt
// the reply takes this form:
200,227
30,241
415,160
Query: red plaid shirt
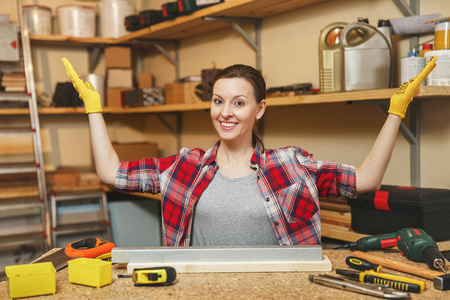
289,180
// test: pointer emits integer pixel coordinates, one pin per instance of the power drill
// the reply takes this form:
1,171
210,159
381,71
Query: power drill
413,243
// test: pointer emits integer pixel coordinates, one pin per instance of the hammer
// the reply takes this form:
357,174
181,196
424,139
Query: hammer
441,280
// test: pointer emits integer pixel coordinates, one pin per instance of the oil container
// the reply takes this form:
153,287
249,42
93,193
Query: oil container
366,58
330,62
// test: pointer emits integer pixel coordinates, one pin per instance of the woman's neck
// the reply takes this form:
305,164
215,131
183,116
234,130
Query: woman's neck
233,162
234,153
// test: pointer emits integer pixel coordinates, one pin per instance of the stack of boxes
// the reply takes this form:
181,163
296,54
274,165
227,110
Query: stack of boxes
119,74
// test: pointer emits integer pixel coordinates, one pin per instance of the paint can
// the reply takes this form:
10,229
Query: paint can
441,73
98,82
39,18
411,66
76,20
112,17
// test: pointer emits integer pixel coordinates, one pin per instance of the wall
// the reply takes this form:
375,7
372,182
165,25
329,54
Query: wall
340,132
290,55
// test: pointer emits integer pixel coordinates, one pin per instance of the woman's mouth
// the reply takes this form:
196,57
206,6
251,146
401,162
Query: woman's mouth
227,125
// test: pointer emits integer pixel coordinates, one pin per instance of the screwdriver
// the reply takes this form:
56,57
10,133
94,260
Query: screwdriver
394,281
365,265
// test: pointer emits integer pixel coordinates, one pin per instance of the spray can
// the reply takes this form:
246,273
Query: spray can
411,67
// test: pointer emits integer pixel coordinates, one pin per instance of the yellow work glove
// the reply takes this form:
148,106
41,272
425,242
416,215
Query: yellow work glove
88,94
401,99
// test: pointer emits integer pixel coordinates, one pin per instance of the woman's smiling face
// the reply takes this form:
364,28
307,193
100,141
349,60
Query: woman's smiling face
234,109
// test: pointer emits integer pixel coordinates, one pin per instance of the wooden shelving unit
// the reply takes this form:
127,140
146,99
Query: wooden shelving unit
425,92
190,25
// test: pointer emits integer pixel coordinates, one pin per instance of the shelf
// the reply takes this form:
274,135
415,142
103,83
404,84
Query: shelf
368,95
64,41
192,25
20,239
187,26
16,168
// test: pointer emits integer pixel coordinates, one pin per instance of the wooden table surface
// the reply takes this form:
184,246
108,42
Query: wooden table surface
289,285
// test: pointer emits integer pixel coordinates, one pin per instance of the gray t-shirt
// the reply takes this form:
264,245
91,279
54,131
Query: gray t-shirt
231,212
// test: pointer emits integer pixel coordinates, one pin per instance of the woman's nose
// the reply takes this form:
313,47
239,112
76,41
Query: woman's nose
227,111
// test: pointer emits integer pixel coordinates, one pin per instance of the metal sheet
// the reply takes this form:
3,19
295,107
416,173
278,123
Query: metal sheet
216,254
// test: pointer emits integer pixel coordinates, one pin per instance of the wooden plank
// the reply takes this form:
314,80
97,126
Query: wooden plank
239,267
336,218
340,233
19,192
334,206
434,91
56,39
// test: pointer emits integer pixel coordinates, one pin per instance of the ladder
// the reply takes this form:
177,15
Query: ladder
15,204
100,223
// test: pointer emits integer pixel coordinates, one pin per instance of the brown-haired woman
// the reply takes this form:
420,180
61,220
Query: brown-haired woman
237,192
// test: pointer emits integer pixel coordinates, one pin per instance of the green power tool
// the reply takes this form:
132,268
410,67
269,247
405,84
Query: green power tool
414,243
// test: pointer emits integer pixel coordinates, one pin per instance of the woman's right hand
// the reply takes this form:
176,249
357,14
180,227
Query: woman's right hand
401,99
88,94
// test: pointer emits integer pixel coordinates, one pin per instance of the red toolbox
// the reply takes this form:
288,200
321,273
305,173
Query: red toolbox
393,207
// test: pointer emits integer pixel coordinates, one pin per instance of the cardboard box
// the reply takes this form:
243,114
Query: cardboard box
119,78
145,80
135,151
114,97
144,97
67,178
181,93
118,57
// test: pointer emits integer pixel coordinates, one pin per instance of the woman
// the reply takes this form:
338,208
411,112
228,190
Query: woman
238,193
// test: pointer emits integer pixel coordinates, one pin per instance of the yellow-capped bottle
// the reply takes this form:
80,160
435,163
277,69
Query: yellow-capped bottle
425,48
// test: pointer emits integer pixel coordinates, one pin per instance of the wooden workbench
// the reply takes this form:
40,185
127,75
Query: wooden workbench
294,285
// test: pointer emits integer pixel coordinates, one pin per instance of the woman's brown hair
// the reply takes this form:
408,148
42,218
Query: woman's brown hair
255,78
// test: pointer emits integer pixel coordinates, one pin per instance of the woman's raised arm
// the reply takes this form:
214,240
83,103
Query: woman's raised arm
105,157
369,174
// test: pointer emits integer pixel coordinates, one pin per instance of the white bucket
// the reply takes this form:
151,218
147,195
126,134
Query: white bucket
39,19
112,17
76,20
441,73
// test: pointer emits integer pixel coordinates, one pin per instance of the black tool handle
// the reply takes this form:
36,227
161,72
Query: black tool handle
361,264
399,285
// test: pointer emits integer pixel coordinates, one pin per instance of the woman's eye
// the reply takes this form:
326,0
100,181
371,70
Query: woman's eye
217,101
239,103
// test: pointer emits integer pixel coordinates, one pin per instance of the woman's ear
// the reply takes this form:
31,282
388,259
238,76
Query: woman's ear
261,109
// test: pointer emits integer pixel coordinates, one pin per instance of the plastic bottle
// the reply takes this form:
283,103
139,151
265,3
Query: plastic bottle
411,67
425,48
366,58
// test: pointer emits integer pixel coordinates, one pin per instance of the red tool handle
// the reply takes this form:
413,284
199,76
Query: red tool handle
88,248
